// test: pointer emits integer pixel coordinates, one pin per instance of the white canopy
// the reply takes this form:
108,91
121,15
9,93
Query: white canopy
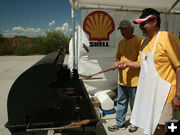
161,5
100,58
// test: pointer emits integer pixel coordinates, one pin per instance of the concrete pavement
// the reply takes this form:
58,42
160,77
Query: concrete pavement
11,67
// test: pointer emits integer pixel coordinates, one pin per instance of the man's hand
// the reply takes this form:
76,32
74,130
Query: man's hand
175,100
175,103
121,65
116,64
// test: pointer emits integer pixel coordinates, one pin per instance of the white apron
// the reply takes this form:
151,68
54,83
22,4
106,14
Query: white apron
151,95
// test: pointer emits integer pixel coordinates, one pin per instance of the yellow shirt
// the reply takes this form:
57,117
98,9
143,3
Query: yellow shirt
128,50
166,58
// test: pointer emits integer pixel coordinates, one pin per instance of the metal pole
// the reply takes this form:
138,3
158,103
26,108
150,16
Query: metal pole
175,3
167,14
73,32
77,46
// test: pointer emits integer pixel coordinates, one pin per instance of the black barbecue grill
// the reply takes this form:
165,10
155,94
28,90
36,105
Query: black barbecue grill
49,96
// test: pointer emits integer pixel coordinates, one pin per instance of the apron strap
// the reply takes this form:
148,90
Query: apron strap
156,41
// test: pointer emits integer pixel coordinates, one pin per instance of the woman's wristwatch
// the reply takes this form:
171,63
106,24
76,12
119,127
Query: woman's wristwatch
178,96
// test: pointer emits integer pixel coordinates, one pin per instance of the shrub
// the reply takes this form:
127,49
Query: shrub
43,46
22,48
1,38
5,48
53,41
34,49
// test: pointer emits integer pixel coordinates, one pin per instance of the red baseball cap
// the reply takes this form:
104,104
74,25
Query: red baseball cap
147,13
144,19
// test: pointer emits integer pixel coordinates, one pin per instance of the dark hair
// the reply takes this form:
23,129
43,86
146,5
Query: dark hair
159,22
150,11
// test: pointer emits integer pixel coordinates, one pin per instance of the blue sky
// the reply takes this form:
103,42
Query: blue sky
34,17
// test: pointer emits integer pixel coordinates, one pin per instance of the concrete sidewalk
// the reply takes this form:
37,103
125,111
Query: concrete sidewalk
11,67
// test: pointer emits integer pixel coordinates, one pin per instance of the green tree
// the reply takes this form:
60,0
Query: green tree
52,41
57,38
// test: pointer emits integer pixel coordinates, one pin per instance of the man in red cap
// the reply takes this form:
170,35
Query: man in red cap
158,92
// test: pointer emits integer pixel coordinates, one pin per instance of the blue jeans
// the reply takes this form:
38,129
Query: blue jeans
125,94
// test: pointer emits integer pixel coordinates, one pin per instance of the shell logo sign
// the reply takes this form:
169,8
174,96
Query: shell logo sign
98,25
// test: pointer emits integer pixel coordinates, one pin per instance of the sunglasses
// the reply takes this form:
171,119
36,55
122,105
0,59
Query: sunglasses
143,23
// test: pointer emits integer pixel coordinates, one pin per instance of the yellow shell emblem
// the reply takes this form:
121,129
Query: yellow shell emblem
98,25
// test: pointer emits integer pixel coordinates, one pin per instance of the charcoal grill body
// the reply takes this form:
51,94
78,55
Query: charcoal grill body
49,96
